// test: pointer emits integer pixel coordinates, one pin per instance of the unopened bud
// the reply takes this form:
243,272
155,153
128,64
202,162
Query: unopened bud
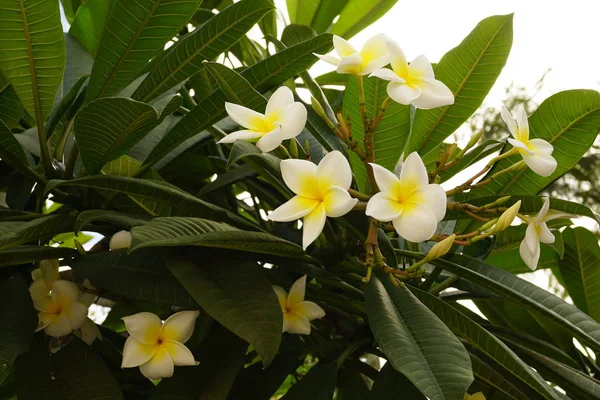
441,248
318,108
474,139
507,217
293,148
307,148
120,240
497,203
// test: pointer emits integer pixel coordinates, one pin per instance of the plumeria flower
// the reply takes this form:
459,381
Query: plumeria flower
413,83
321,191
412,204
157,347
537,153
120,240
61,312
373,55
474,396
283,119
537,231
89,330
297,313
43,278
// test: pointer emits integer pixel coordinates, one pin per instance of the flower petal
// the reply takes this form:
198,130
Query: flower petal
338,202
422,64
301,177
414,171
397,59
382,208
39,293
434,197
76,313
309,309
401,93
181,355
293,120
295,208
298,324
143,327
351,64
386,180
44,319
136,353
545,235
375,47
509,121
519,145
297,292
522,124
387,75
89,331
271,140
377,63
120,240
543,211
59,326
342,47
279,101
531,238
416,224
241,135
540,145
334,170
530,259
281,296
328,59
159,366
245,117
542,164
286,322
179,326
65,292
434,94
49,270
313,225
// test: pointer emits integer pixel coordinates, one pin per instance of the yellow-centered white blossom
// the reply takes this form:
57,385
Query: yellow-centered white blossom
61,313
88,332
283,119
537,231
321,191
43,278
120,240
157,347
373,55
507,217
297,312
412,204
537,153
413,83
474,396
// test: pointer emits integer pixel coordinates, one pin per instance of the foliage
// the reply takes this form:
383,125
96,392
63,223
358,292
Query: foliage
111,131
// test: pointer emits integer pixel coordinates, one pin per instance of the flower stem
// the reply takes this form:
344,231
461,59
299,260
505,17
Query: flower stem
70,165
379,117
359,195
437,289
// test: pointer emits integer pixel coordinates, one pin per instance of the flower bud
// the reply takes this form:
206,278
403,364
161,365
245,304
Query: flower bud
441,248
507,217
120,240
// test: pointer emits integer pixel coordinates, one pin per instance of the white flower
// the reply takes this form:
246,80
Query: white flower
120,240
283,119
373,55
156,347
321,191
43,278
412,204
537,231
61,312
297,313
537,153
413,83
88,332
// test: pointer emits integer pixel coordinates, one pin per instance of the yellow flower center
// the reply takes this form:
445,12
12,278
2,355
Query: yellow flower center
268,123
406,194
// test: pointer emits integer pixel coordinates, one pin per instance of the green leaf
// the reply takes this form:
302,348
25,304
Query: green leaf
32,52
180,231
209,40
358,14
393,130
485,342
18,320
134,31
107,128
568,120
40,228
318,384
263,76
27,254
89,22
116,218
34,366
318,14
579,270
159,199
11,109
471,157
392,385
141,275
12,152
240,297
469,70
528,295
490,375
409,334
79,63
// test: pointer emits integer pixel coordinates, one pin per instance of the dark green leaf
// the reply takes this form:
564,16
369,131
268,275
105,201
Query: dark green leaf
238,295
12,152
409,334
40,228
392,385
469,70
488,374
318,384
318,14
11,109
209,40
358,14
122,220
134,31
28,254
88,24
34,366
